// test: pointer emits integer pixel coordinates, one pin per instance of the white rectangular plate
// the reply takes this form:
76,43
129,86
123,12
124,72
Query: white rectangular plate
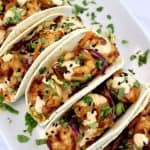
126,27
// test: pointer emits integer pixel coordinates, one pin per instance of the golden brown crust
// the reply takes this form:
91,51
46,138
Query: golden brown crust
62,140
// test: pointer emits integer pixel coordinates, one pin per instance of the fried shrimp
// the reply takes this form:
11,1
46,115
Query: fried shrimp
63,139
88,67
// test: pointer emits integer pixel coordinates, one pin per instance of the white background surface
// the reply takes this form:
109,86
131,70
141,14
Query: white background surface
141,10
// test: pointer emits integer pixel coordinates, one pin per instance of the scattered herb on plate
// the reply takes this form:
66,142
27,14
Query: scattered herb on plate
99,9
7,107
30,123
79,9
22,138
143,58
109,17
40,141
124,42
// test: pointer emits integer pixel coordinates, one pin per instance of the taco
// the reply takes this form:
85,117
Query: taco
70,71
136,136
19,61
89,118
13,12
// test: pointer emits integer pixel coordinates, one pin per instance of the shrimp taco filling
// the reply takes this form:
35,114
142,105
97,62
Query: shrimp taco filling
16,62
86,121
14,11
68,73
136,136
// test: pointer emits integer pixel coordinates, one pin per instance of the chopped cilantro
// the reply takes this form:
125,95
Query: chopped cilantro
111,27
99,64
84,2
120,93
1,7
30,123
124,42
137,84
106,110
109,17
21,57
88,76
16,18
61,59
119,109
142,59
93,125
1,97
42,70
88,100
68,24
79,9
66,85
19,78
62,120
100,9
99,30
22,138
40,141
131,71
93,16
76,84
7,107
132,57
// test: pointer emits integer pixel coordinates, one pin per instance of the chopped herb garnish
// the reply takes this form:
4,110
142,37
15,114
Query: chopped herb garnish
137,84
21,57
142,59
87,14
120,93
1,7
93,125
119,109
30,123
76,84
111,27
7,107
132,57
106,110
124,42
62,120
23,138
79,9
19,78
100,9
93,16
88,100
68,24
99,64
61,59
88,76
42,70
33,44
66,85
1,97
84,2
131,71
16,18
94,22
109,17
40,141
99,30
